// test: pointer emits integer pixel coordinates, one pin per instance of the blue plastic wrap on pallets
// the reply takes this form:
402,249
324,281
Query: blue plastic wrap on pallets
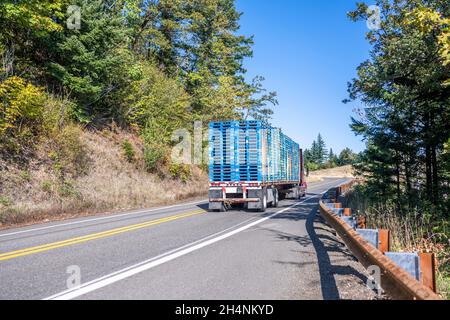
248,151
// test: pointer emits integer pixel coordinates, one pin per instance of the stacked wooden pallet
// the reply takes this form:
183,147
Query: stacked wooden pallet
248,151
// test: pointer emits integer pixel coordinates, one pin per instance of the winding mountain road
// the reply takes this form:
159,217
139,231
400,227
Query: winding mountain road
184,252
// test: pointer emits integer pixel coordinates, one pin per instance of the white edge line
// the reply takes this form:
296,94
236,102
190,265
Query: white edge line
101,218
154,262
153,259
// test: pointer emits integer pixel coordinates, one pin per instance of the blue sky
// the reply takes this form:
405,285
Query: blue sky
307,50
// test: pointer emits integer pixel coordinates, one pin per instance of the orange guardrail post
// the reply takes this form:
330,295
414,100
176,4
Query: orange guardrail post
347,212
395,281
384,239
428,270
362,222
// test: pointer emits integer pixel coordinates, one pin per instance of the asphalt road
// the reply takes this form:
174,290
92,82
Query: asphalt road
183,252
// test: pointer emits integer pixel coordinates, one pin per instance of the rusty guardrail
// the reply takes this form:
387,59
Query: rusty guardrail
395,281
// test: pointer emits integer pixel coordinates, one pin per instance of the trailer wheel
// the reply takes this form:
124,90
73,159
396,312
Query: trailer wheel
263,201
299,194
275,198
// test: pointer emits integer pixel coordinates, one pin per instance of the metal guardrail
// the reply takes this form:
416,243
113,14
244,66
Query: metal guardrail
395,281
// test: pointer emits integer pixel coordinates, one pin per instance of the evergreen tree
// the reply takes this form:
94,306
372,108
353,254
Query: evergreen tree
332,159
92,63
321,150
198,40
318,157
346,157
315,154
404,87
154,66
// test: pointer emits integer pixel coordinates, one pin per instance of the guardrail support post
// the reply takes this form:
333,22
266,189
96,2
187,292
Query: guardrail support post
347,212
338,205
362,222
384,241
428,270
401,277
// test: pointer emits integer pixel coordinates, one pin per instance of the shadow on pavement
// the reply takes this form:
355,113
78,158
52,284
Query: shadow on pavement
203,206
324,243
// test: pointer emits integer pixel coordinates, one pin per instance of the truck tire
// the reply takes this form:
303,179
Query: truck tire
275,198
299,194
263,201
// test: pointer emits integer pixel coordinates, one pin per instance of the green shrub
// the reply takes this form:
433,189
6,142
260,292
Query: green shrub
443,275
21,106
68,190
154,155
69,153
312,166
180,171
157,105
58,112
155,100
128,151
21,114
156,144
4,201
47,186
25,175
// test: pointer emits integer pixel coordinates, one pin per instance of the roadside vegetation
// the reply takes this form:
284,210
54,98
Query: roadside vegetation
87,113
404,87
318,157
412,231
110,181
336,172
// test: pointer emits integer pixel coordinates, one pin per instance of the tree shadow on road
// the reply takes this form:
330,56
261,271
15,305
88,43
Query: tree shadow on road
327,270
325,244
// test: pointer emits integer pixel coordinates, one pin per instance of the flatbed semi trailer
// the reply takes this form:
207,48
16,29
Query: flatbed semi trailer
253,165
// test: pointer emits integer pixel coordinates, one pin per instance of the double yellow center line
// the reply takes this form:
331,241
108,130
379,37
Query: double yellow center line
94,236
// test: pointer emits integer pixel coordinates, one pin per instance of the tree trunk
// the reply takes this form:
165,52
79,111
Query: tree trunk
435,175
434,163
397,167
428,158
428,172
407,164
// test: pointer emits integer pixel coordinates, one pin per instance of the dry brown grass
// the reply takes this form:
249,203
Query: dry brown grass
409,233
338,172
111,183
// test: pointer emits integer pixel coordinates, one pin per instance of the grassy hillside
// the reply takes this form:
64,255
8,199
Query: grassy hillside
99,171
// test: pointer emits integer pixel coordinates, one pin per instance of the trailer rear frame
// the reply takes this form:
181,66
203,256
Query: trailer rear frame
254,196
